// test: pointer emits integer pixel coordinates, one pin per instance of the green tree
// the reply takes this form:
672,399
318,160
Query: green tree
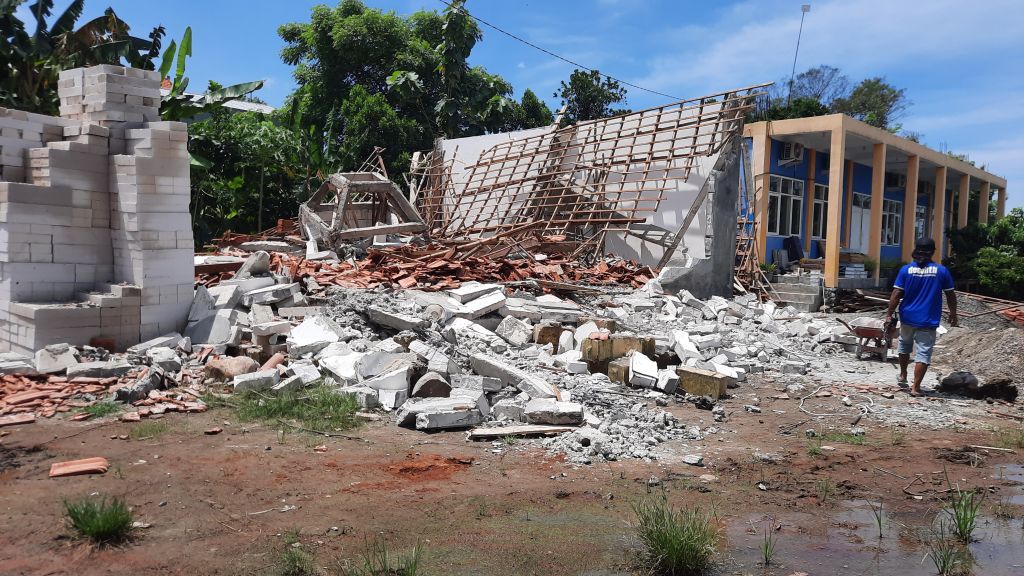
415,65
31,61
799,108
993,254
586,96
535,112
875,102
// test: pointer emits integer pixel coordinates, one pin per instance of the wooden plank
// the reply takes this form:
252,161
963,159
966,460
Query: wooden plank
97,465
525,430
408,228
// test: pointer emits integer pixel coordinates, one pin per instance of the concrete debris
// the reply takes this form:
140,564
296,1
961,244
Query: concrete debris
261,380
108,369
550,411
515,331
431,385
55,358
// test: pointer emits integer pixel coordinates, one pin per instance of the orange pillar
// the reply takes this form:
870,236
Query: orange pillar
986,188
910,207
848,213
761,152
837,158
963,197
812,162
877,196
1001,203
939,211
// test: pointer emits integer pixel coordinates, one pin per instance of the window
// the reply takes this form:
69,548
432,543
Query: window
819,214
920,221
785,205
892,222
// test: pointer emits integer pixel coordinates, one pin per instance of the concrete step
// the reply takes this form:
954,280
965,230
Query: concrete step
802,297
803,306
797,288
802,280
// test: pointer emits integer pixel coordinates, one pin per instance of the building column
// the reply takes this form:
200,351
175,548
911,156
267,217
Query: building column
761,152
812,163
837,159
910,207
877,198
964,196
986,187
848,195
939,212
1001,203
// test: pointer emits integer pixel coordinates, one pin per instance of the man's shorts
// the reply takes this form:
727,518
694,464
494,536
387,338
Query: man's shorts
923,337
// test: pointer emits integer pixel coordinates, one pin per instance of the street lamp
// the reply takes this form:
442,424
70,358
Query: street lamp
804,9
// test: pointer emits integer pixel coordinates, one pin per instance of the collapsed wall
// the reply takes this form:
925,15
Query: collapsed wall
95,233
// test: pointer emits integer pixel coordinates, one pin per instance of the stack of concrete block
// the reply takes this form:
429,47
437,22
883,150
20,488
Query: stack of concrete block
152,236
20,131
108,94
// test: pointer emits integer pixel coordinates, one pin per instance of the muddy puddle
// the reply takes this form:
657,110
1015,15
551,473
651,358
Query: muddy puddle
844,540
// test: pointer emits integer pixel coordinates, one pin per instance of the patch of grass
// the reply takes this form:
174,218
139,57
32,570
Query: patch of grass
1005,510
814,447
102,520
148,429
1009,437
768,546
675,541
951,558
295,562
105,408
844,438
963,508
319,408
825,488
510,440
378,561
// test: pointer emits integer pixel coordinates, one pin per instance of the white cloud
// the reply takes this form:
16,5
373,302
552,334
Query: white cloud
521,65
755,41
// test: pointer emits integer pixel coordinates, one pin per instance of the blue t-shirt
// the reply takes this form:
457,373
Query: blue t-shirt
922,293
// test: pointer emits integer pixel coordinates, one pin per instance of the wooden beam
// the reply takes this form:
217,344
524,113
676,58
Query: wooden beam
836,155
910,208
877,200
408,228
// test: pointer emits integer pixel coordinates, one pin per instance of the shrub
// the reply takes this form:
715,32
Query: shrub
675,542
102,520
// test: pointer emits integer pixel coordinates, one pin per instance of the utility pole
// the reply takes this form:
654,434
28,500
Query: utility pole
804,9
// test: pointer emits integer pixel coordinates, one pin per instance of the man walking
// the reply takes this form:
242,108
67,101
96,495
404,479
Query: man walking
920,285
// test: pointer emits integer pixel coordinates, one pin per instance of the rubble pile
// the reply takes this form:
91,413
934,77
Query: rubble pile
478,355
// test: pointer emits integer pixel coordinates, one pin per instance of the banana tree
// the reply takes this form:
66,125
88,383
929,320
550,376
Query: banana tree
31,57
180,105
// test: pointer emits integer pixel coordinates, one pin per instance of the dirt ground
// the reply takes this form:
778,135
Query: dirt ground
222,504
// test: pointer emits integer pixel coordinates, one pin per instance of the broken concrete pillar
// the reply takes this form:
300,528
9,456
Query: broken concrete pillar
262,380
515,331
431,385
511,376
55,358
553,412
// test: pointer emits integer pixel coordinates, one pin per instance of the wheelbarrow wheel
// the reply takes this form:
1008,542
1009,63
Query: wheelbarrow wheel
860,351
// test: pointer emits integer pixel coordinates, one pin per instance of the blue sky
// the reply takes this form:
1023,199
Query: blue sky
961,63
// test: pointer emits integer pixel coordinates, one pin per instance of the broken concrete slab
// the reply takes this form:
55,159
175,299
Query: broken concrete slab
313,335
270,294
170,340
343,366
541,309
553,412
392,399
515,331
683,346
366,397
109,369
376,363
407,413
260,313
249,284
164,357
643,372
476,396
447,419
261,380
257,264
213,329
431,385
437,361
14,363
583,332
395,320
472,290
481,306
152,379
306,372
509,409
289,384
475,382
535,386
396,379
55,358
668,381
271,328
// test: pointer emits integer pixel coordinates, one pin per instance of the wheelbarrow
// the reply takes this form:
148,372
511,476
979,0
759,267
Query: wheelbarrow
874,336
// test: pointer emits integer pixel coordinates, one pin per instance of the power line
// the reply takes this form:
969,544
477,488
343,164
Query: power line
563,58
